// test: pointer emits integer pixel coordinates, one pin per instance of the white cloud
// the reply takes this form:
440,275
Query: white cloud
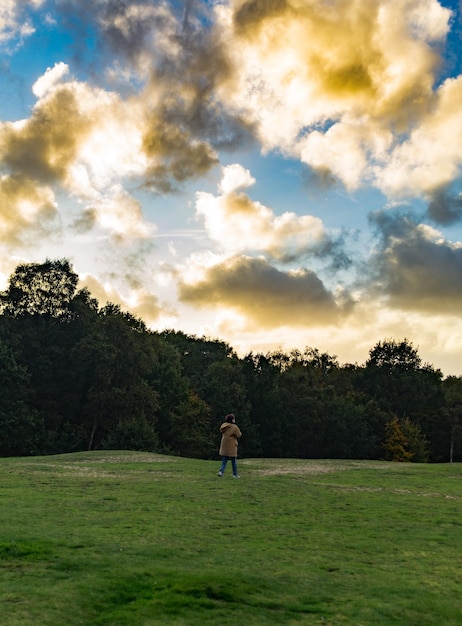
50,79
235,177
239,224
118,213
13,23
432,155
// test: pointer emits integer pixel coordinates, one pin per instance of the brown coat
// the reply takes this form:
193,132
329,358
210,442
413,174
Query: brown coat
230,434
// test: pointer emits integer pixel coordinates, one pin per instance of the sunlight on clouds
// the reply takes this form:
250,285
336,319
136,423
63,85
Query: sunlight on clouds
355,91
24,209
113,149
119,213
301,65
264,294
340,150
84,139
237,223
432,156
140,302
235,177
369,323
50,79
196,267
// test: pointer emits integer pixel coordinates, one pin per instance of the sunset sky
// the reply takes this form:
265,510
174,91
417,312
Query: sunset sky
273,173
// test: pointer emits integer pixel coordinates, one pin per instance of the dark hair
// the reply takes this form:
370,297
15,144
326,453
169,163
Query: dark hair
230,417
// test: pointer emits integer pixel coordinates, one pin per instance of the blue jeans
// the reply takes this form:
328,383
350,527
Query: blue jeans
224,461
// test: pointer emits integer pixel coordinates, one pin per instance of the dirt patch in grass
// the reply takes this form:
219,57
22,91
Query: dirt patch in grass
136,457
282,468
95,464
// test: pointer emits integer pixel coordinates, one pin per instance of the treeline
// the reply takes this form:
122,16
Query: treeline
77,376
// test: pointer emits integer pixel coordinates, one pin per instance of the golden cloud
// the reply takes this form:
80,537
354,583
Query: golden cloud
87,140
44,146
265,295
332,83
26,209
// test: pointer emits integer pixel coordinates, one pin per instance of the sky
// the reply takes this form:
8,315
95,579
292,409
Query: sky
276,174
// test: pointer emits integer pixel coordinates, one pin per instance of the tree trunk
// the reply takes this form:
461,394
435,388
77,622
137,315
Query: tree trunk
92,436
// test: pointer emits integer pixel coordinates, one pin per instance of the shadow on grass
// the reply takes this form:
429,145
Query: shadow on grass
170,597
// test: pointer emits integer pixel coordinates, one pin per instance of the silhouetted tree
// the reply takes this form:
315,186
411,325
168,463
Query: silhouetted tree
452,388
40,289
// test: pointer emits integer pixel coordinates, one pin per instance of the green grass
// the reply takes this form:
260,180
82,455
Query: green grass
121,539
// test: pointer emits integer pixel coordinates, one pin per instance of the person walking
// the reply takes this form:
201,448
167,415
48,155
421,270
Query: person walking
230,435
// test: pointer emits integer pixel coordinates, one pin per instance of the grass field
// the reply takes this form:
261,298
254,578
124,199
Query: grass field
123,538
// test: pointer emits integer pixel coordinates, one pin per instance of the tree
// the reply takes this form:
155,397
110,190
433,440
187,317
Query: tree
392,356
405,441
452,388
404,387
191,429
20,426
114,363
263,394
396,445
40,289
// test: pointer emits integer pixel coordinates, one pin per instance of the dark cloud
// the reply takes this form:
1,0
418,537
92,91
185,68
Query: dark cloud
320,178
186,123
333,249
445,208
415,267
189,80
47,144
330,250
131,28
174,155
264,294
251,14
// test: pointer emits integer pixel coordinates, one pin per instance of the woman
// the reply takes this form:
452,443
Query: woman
230,434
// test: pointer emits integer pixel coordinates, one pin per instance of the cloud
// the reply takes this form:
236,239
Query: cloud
177,60
175,155
26,211
139,301
118,213
50,79
328,83
44,146
415,267
239,224
331,83
431,157
87,141
134,28
234,178
445,207
322,60
264,295
14,22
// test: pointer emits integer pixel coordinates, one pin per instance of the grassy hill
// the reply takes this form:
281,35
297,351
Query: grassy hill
124,538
